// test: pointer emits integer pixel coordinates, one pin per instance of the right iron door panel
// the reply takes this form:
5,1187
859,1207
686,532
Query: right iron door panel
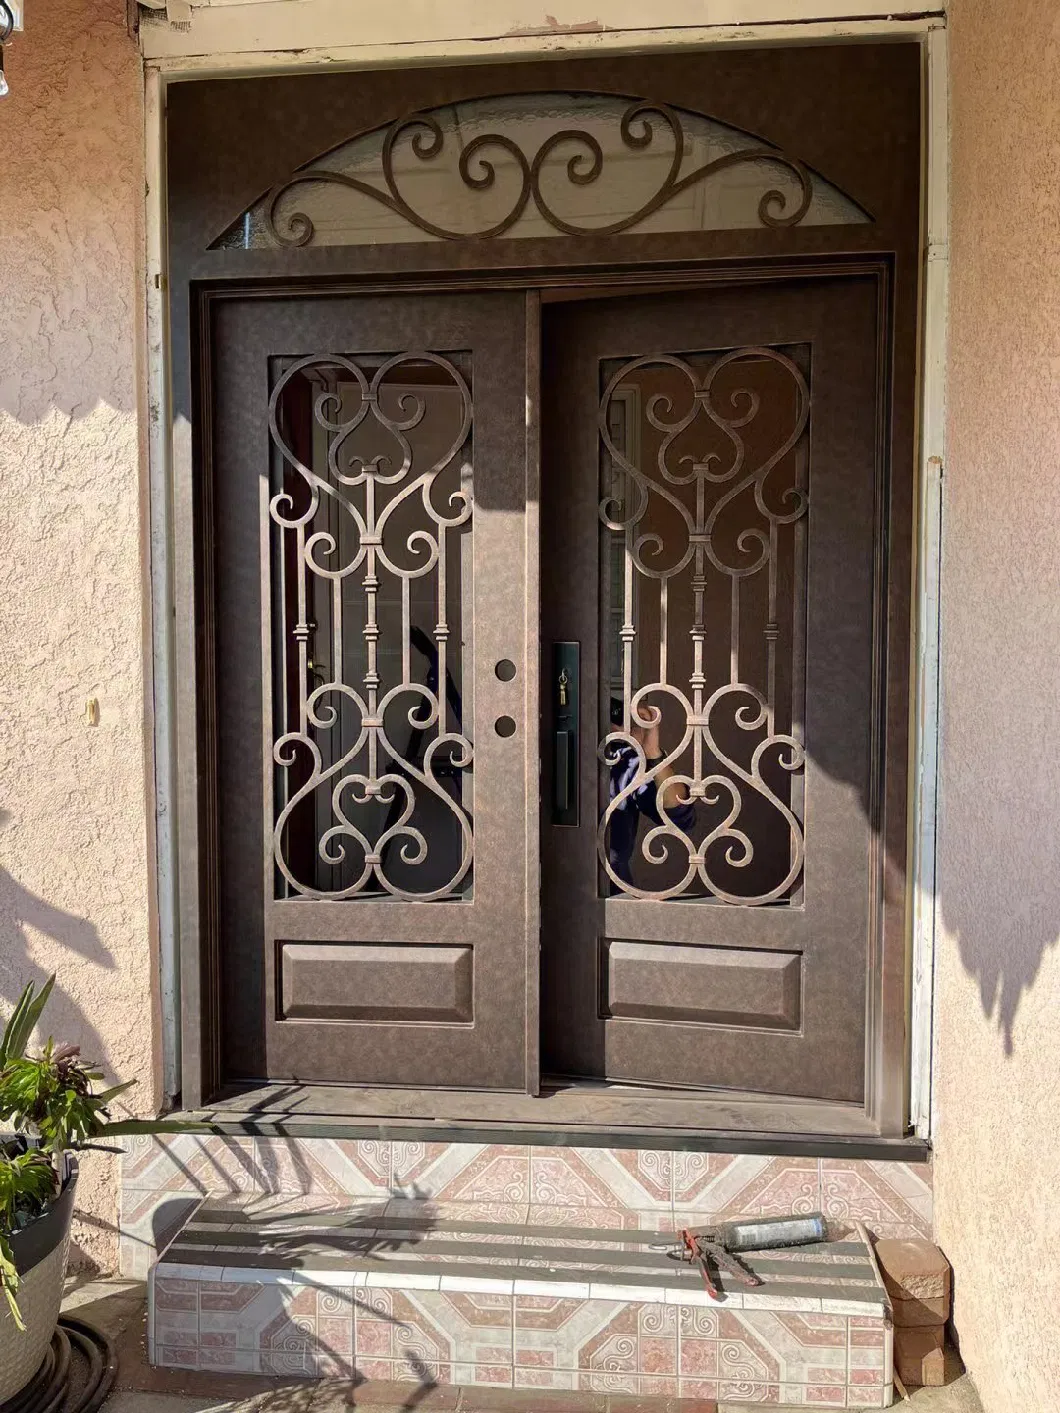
712,484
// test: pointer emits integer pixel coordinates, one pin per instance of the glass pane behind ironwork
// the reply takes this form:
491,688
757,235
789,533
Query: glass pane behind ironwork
370,567
704,494
541,164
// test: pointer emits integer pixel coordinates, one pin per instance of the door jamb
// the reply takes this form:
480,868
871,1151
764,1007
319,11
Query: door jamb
924,706
924,737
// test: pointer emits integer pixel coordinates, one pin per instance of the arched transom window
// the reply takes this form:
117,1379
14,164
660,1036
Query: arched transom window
541,164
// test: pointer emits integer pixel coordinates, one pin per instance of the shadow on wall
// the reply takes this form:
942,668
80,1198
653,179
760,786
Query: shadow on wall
22,912
70,190
1000,894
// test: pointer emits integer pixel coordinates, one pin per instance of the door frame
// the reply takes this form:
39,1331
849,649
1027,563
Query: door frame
168,445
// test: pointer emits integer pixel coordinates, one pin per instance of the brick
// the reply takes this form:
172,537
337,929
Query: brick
919,1313
913,1269
920,1357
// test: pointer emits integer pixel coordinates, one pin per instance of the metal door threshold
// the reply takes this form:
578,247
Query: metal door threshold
592,1116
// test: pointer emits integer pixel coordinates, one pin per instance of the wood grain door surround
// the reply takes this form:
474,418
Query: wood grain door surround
317,946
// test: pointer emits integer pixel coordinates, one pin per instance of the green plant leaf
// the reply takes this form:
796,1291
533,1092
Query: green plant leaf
23,1019
51,1096
27,1181
112,1093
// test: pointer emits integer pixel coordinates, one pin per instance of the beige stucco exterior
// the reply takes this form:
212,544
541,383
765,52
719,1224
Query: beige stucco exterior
75,799
998,1012
74,889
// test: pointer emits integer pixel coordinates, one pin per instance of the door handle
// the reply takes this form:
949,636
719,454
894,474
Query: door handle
566,702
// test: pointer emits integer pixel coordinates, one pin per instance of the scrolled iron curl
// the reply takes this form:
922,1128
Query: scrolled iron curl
346,783
583,168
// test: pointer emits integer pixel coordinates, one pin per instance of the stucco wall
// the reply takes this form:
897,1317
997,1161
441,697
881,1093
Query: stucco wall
997,1175
73,815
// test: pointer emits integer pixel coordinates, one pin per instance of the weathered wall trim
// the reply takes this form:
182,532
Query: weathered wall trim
282,33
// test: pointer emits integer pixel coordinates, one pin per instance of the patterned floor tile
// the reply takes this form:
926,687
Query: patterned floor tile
534,1377
462,1172
434,1327
743,1391
189,1162
278,1208
654,1223
344,1166
601,1177
656,1386
613,1218
494,1375
591,1382
697,1355
814,1395
701,1389
605,1335
548,1342
891,1199
867,1398
216,1163
174,1356
173,1314
719,1186
299,1327
237,1361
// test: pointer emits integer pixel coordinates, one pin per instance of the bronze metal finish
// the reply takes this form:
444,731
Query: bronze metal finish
583,169
852,115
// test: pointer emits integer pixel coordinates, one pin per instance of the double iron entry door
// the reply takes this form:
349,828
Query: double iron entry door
545,662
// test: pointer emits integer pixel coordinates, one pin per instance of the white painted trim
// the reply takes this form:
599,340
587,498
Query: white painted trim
313,33
172,66
158,446
933,453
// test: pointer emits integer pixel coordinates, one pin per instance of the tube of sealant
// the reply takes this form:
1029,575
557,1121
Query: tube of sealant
767,1234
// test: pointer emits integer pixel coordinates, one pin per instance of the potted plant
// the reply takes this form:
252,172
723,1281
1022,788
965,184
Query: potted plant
47,1110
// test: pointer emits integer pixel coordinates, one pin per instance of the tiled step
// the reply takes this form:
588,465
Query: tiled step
165,1176
464,1294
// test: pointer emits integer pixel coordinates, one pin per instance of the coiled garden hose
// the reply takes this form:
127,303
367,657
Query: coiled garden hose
76,1375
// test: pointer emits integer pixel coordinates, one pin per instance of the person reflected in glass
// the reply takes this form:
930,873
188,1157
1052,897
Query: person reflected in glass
645,800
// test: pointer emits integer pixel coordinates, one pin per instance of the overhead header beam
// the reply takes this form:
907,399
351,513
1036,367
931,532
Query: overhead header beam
334,31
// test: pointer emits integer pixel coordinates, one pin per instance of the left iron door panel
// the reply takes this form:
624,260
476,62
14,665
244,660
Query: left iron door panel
366,481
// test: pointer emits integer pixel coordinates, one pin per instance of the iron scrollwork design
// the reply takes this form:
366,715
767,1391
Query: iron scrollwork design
584,167
728,520
378,496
